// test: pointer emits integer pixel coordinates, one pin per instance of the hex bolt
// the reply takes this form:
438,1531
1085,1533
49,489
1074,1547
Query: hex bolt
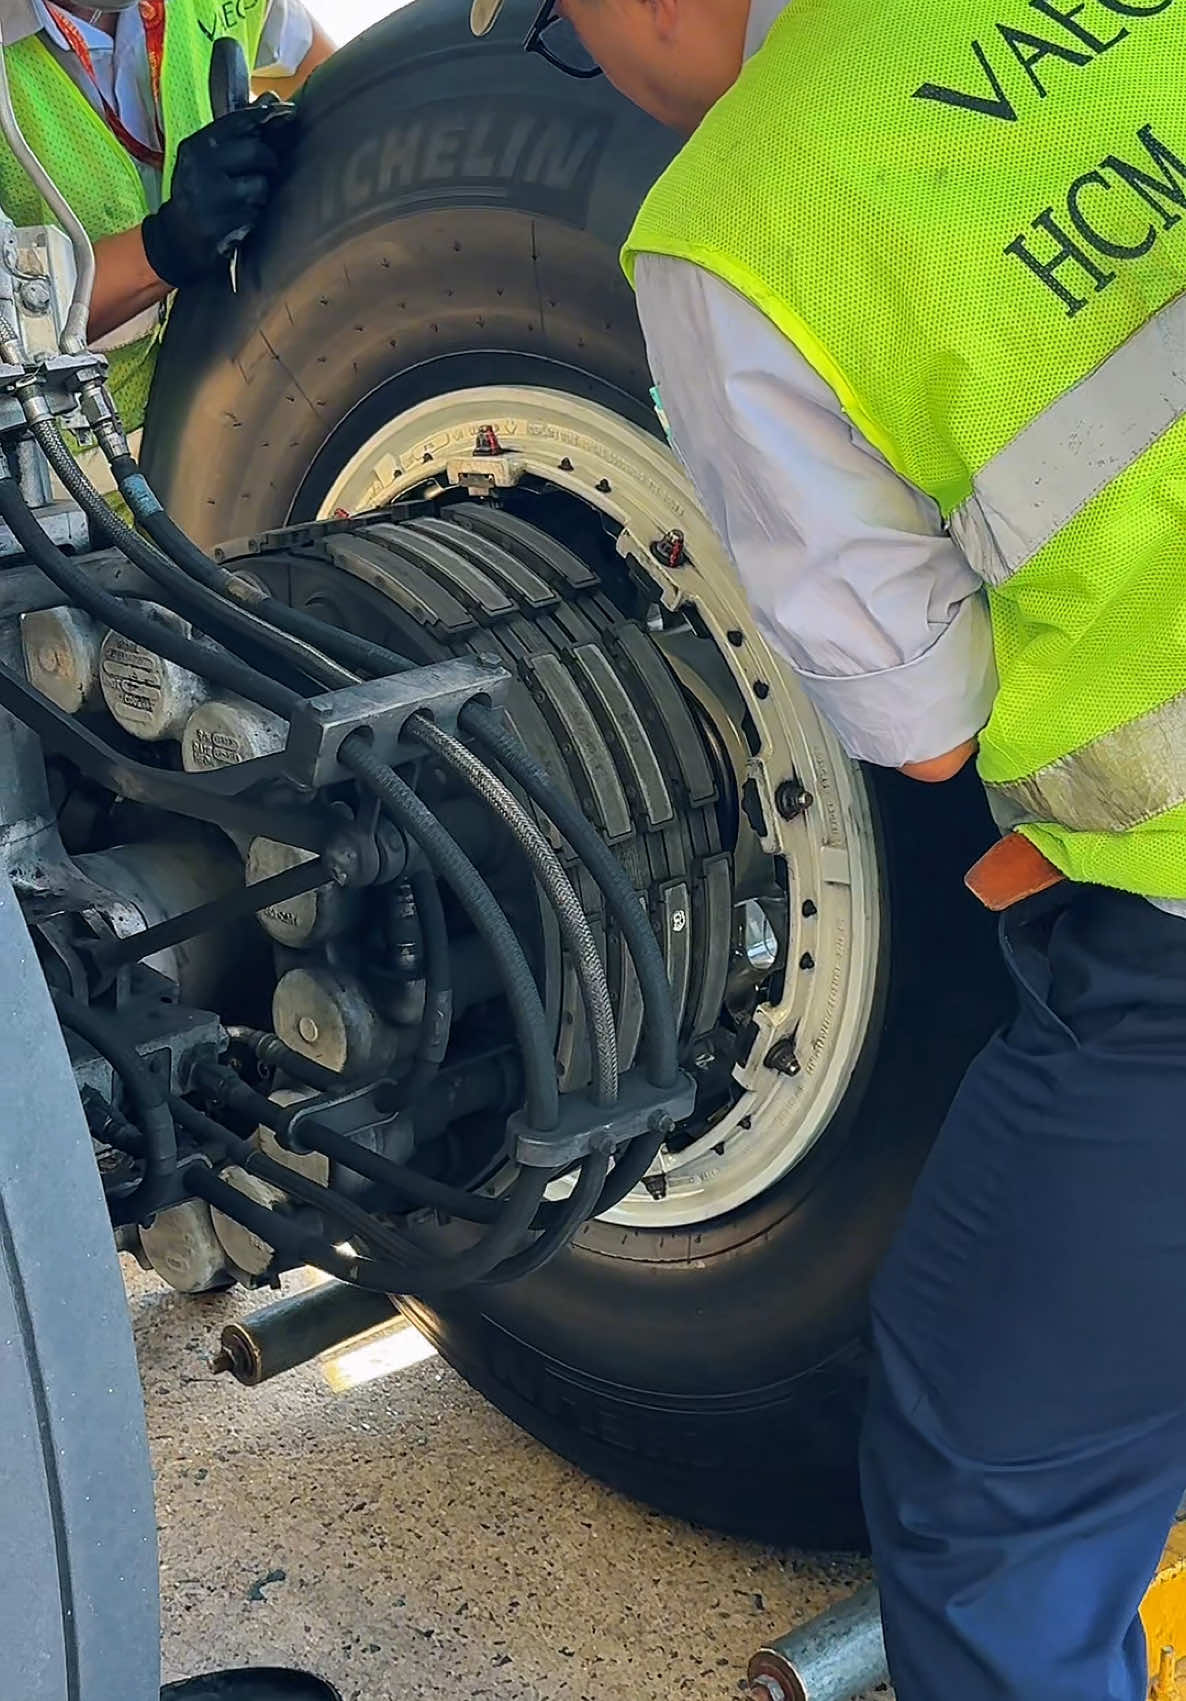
36,295
792,799
783,1058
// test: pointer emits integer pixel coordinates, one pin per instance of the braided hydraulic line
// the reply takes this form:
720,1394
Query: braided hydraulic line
545,864
662,1050
563,1221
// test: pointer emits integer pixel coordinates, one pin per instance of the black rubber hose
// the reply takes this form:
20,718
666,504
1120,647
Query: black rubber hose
285,1237
440,1274
149,1098
215,613
436,1024
570,1217
343,647
557,888
358,1222
429,1276
527,1012
415,1189
76,583
659,1031
629,1170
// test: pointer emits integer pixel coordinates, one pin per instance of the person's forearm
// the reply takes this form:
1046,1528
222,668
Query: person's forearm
125,283
321,50
946,767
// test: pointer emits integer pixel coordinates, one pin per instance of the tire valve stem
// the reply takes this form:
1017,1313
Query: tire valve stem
486,442
668,550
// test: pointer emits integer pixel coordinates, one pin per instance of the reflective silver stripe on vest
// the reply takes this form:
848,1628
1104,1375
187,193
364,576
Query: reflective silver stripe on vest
1037,483
1120,779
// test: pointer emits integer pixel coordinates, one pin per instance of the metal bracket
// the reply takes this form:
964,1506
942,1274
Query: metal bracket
221,797
585,1127
383,707
358,1115
315,532
151,1026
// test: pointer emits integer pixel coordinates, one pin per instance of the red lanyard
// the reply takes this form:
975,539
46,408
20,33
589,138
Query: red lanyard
152,15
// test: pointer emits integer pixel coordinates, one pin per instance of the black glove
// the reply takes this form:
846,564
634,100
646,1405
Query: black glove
221,184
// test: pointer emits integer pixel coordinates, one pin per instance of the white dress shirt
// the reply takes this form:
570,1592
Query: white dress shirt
847,567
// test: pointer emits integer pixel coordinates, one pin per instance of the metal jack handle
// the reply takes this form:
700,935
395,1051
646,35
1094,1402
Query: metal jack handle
835,1657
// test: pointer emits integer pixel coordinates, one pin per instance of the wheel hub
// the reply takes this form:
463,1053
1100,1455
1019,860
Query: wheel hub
768,889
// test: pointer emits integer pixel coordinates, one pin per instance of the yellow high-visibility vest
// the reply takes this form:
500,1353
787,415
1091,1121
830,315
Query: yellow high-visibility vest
971,220
94,171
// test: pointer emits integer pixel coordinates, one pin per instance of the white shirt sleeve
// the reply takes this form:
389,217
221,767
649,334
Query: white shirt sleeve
847,567
286,39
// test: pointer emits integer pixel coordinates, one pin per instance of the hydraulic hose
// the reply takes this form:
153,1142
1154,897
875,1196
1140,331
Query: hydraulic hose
527,1012
353,1218
427,1275
517,1207
659,1033
415,1189
629,1170
570,1218
286,1237
76,583
545,865
215,612
436,1024
152,1115
343,647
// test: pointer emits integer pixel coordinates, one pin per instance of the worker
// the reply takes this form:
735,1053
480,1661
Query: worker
912,295
115,101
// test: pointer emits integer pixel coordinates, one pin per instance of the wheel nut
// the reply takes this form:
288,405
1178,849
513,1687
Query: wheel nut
792,799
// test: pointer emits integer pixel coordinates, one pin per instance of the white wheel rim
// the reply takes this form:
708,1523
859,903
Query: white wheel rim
830,851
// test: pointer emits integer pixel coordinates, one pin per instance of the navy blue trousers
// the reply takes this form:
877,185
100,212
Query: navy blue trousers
1025,1448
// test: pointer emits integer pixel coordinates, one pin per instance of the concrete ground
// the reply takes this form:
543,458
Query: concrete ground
399,1536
